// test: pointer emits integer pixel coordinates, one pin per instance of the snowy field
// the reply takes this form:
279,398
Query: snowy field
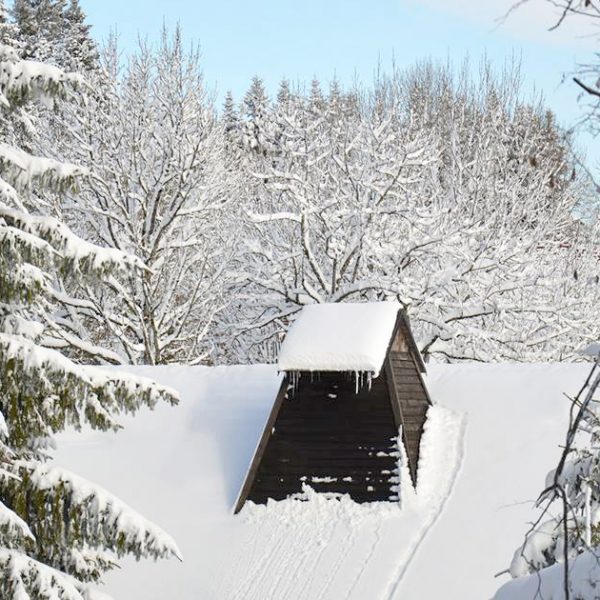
485,453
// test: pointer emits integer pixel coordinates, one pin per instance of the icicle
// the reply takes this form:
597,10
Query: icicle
370,379
294,381
356,382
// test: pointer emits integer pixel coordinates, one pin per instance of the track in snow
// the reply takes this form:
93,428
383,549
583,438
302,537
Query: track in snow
324,549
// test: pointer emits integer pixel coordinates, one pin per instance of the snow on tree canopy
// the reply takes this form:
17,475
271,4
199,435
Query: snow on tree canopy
339,337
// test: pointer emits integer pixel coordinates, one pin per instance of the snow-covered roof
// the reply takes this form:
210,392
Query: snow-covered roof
339,337
183,467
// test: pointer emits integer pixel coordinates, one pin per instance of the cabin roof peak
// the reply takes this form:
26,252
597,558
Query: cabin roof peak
340,337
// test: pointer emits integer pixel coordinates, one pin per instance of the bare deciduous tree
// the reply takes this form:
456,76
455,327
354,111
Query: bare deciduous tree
446,192
152,143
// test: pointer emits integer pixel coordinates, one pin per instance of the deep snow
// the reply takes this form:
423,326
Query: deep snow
486,452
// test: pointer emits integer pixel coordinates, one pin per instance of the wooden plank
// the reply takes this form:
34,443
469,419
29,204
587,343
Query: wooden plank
333,467
394,393
262,445
410,389
360,497
315,435
415,352
341,447
280,454
394,402
406,373
341,481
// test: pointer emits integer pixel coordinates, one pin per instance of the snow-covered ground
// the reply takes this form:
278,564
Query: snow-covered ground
486,451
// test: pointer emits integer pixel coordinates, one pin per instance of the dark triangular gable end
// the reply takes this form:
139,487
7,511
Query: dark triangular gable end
404,369
401,382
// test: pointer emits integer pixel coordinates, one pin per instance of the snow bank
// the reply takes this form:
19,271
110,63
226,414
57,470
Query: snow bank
329,547
487,448
339,337
548,584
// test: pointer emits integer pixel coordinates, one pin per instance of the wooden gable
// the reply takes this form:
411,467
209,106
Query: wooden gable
322,432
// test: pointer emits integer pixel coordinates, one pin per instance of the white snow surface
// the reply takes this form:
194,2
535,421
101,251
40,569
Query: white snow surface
339,337
488,445
548,584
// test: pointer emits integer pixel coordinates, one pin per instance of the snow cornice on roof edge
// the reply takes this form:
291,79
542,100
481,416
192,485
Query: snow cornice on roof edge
340,337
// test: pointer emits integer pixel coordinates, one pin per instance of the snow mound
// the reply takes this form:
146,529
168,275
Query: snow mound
339,337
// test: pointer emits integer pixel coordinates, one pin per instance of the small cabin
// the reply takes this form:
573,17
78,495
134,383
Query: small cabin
353,378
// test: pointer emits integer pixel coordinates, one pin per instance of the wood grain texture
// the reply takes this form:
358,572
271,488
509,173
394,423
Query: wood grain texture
325,434
325,429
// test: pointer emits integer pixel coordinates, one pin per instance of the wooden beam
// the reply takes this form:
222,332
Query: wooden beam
262,444
393,392
397,408
415,352
420,374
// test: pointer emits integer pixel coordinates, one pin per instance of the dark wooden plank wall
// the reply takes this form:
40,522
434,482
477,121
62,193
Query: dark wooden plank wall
324,429
414,402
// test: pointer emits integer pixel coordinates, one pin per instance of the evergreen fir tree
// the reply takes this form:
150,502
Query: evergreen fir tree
54,31
81,52
283,93
316,100
284,112
58,532
37,22
8,30
231,124
255,108
256,100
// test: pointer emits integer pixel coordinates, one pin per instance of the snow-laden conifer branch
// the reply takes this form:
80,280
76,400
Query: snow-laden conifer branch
57,531
24,578
24,80
66,510
56,392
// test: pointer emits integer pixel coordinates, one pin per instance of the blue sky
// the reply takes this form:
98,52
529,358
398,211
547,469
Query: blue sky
347,38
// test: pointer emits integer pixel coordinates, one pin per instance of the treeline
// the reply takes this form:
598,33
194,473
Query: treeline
442,187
